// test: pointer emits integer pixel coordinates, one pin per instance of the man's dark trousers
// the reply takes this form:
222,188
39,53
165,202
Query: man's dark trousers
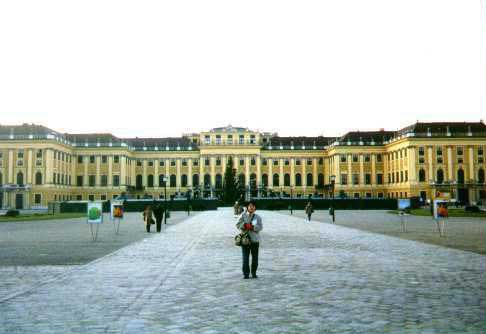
246,250
158,222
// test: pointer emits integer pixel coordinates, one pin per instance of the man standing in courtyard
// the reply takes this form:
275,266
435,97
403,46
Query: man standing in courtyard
159,215
250,223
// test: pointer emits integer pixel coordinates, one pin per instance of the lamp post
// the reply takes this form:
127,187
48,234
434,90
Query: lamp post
333,180
164,179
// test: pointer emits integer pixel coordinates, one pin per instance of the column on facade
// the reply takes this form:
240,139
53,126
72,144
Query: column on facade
110,170
167,172
450,170
281,172
315,175
247,170
98,170
430,161
29,167
350,169
133,172
412,162
471,163
123,170
212,165
178,173
144,173
11,166
156,173
304,173
201,171
85,165
189,172
361,169
270,173
259,171
373,169
292,172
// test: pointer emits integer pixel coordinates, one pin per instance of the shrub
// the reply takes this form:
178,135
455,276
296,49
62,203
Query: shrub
12,213
472,208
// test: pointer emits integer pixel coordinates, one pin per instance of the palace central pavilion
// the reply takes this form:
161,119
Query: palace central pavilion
39,165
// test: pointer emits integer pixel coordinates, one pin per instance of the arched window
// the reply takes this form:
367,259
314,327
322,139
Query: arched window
161,180
460,176
138,181
219,181
298,180
20,178
421,175
440,176
38,178
195,179
276,180
253,178
184,180
310,179
265,180
287,180
207,180
241,180
320,180
173,181
480,175
150,181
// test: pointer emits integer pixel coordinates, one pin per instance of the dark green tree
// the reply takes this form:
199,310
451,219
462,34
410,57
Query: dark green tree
230,184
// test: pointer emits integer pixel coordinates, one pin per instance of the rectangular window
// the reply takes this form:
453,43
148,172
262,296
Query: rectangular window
218,161
104,180
103,197
460,150
91,159
287,162
343,158
321,161
421,151
92,180
367,158
195,162
344,179
297,162
139,163
218,139
421,160
242,162
480,151
253,161
161,163
116,159
309,162
275,162
39,154
379,178
230,139
242,139
172,162
367,178
355,158
104,159
439,151
91,198
206,162
150,163
116,180
184,162
80,159
379,158
37,199
264,162
406,176
355,179
79,180
252,139
207,140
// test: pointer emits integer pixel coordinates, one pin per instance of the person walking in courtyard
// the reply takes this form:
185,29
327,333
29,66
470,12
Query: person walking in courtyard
250,223
159,215
148,217
309,210
236,209
332,213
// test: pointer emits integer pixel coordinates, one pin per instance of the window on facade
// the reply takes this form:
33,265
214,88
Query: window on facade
310,179
275,162
218,181
242,162
264,162
161,180
104,180
276,180
309,162
367,178
79,180
439,151
116,159
252,139
80,159
195,162
265,180
91,159
379,178
421,175
207,140
355,179
401,176
116,180
184,180
343,158
393,177
321,161
20,178
91,198
355,158
344,178
287,180
139,163
421,151
92,180
440,176
218,139
320,180
242,139
150,163
173,162
173,182
38,178
37,199
356,195
161,163
298,180
460,176
184,162
150,181
218,161
481,175
460,150
367,158
195,179
230,139
297,162
379,158
287,162
104,159
253,161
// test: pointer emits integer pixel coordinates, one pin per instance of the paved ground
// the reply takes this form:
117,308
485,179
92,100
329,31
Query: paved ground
68,241
461,233
314,278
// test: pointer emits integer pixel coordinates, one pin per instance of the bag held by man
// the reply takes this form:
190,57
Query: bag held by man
242,239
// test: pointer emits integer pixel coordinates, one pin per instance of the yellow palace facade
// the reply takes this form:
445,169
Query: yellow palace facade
39,165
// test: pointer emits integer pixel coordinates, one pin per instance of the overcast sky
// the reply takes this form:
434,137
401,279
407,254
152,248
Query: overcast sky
163,68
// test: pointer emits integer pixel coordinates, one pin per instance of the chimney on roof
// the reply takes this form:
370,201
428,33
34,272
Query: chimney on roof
382,129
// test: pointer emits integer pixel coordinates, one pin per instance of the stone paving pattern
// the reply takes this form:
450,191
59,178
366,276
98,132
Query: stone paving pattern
461,232
314,278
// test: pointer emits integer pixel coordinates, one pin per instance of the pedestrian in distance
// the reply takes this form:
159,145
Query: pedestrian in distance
332,213
236,209
309,210
159,216
148,218
251,223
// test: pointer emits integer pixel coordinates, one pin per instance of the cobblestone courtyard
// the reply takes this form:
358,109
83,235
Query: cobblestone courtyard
314,278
